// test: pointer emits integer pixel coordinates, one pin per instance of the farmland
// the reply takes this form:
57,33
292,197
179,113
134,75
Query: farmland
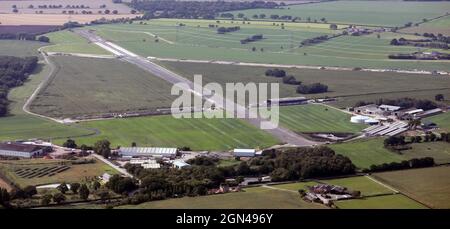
368,86
69,42
440,151
397,201
279,46
250,198
429,186
375,13
19,48
442,120
317,118
55,19
367,152
40,171
441,25
164,130
91,86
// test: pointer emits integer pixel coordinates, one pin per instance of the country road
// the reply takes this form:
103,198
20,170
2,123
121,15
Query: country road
282,134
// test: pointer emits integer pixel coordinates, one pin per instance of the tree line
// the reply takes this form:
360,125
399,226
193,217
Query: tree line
14,71
193,9
301,88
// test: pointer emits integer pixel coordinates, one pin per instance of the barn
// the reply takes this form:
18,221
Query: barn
12,149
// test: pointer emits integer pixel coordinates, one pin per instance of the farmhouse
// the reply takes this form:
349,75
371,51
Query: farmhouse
20,150
244,152
148,152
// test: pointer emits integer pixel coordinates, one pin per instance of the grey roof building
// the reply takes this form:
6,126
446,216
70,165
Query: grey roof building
148,152
12,149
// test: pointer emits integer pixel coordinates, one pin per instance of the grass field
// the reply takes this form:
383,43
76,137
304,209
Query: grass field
166,131
442,120
76,173
20,125
317,118
92,86
55,19
363,184
440,151
69,42
280,46
380,13
19,48
429,186
397,201
251,198
441,25
351,86
365,153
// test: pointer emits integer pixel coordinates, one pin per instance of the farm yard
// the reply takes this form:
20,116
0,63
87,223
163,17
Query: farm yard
317,118
429,185
372,13
40,171
91,86
165,38
164,130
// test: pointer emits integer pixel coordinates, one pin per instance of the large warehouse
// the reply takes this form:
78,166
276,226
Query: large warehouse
148,152
20,150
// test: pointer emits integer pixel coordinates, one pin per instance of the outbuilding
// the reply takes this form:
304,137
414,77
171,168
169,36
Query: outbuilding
13,149
244,152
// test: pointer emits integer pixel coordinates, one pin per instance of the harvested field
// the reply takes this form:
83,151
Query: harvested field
34,29
54,19
396,201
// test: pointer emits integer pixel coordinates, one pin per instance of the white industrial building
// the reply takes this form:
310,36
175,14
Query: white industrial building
244,152
20,150
148,152
363,120
180,164
146,164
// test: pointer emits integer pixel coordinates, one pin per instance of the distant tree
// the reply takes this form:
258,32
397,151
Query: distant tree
46,199
70,144
107,11
30,191
84,192
4,196
115,12
240,15
133,144
96,185
253,49
59,198
74,187
62,188
44,39
439,97
133,11
394,42
15,10
333,26
102,147
262,16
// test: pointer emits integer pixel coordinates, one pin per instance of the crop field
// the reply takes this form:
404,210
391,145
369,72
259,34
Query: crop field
429,186
69,42
367,152
93,86
440,151
280,46
317,118
396,201
363,184
94,6
55,19
367,86
19,48
250,198
441,25
376,13
39,171
442,120
164,130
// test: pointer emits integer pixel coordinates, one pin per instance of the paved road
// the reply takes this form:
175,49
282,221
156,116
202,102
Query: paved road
283,134
123,171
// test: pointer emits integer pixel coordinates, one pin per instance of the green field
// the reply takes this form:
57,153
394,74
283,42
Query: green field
19,48
440,151
69,42
397,201
92,86
363,184
367,152
442,120
441,25
76,173
250,198
317,118
379,13
166,131
20,125
280,46
429,186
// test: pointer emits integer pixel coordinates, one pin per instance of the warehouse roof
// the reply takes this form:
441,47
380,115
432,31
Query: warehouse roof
148,150
10,146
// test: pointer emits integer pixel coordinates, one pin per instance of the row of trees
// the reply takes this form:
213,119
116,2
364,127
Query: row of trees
313,88
409,164
279,73
23,36
222,30
13,72
194,9
406,103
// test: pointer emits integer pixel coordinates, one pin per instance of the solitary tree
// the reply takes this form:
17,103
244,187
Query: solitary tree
439,97
102,147
84,192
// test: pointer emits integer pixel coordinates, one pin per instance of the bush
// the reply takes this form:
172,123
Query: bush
312,88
